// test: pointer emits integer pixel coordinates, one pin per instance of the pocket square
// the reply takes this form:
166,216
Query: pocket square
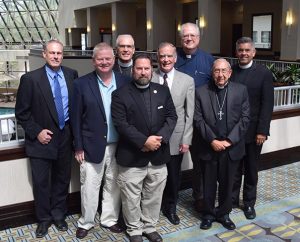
159,107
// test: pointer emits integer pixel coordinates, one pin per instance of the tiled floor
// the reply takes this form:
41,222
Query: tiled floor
278,217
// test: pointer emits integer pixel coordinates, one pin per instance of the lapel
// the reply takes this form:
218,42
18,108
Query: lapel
94,86
213,100
230,99
136,95
45,89
69,80
176,86
155,77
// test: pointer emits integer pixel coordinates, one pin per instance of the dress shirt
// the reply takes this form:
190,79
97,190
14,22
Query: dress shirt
106,91
169,79
63,86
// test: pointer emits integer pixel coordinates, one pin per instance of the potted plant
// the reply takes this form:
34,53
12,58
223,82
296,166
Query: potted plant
291,75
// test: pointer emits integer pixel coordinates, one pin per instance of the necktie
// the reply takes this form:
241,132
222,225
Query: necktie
165,77
58,102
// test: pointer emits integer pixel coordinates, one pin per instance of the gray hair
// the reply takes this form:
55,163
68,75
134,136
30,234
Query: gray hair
45,45
124,36
221,60
102,46
195,26
244,40
164,44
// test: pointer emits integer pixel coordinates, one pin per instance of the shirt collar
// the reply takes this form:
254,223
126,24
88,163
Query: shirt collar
127,64
112,83
246,66
170,74
52,73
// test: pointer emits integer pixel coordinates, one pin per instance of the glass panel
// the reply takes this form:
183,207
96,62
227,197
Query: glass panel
35,13
262,26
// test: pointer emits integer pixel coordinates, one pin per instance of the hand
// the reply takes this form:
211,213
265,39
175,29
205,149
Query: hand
45,136
218,145
260,139
227,143
79,156
153,142
183,148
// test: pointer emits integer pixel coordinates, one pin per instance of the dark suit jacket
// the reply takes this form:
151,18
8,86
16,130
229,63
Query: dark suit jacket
134,126
205,120
88,116
35,110
259,82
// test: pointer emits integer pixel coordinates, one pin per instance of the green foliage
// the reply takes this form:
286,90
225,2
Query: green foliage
290,76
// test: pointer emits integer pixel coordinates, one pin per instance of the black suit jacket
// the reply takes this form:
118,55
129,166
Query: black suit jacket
35,110
88,117
205,120
134,125
259,82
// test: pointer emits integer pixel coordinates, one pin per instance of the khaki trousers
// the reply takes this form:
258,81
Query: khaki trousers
91,175
141,194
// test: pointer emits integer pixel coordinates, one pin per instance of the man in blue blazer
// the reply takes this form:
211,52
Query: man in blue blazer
42,109
95,140
145,117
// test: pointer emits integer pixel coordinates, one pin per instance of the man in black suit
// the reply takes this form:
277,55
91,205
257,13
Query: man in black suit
42,109
221,120
95,140
259,82
144,115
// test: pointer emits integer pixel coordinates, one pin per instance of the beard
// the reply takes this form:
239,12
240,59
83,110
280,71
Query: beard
142,81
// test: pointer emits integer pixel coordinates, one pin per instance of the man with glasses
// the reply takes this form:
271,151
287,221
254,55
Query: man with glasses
182,90
259,81
125,50
95,141
221,119
197,64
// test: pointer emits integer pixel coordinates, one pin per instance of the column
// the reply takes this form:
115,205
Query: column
209,17
290,31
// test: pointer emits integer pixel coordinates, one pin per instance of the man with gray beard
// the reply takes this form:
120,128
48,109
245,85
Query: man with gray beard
144,116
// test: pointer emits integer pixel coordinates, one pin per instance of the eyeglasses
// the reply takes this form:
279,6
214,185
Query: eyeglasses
218,71
125,46
192,36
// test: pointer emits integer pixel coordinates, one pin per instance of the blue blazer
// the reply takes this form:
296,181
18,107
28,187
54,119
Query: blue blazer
88,117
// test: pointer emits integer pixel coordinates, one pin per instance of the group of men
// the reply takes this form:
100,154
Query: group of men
130,127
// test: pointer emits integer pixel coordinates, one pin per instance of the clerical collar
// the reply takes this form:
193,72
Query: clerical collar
246,66
188,56
126,64
141,86
219,87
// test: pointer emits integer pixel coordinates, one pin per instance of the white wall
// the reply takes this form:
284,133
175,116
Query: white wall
15,175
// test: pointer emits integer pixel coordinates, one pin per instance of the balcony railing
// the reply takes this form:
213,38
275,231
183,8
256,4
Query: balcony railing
10,132
287,97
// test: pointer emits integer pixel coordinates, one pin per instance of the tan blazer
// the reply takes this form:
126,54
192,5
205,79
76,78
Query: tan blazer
183,95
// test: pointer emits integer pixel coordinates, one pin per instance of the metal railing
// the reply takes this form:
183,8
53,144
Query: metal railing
287,97
10,132
278,65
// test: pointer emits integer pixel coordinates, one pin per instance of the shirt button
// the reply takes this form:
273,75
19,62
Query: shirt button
104,136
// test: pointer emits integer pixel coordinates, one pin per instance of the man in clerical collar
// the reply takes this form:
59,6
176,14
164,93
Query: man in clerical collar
125,50
144,116
259,81
196,63
221,119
